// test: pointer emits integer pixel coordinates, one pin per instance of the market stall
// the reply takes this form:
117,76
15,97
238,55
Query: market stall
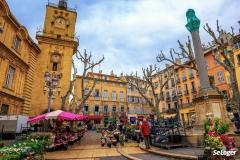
63,126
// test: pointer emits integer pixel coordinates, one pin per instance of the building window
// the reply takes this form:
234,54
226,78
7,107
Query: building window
181,102
121,96
86,108
54,66
114,96
114,108
188,101
220,76
97,93
173,82
238,58
176,105
186,87
122,108
9,77
169,106
16,43
86,91
237,45
105,94
225,51
4,109
106,109
105,78
96,108
193,86
206,63
184,78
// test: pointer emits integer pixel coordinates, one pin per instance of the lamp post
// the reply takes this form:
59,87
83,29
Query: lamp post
51,81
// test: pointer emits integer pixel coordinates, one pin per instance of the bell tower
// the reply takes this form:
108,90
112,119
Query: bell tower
58,44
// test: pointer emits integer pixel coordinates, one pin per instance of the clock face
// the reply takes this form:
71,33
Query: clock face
60,23
55,58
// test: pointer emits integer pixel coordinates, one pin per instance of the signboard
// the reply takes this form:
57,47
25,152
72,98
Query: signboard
132,120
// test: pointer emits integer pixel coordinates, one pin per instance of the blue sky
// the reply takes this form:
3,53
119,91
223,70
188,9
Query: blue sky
130,33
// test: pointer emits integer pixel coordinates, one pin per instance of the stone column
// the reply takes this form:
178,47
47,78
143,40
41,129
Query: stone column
208,101
193,27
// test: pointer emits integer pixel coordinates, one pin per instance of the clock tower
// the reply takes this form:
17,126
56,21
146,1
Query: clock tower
58,44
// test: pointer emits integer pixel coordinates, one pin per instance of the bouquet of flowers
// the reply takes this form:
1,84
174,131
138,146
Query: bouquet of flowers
216,140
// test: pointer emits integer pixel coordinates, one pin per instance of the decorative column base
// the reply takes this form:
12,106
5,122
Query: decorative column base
209,102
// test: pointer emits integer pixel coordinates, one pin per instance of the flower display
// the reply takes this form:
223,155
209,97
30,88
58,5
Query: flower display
25,148
217,141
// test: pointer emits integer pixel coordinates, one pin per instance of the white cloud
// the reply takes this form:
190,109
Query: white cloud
129,33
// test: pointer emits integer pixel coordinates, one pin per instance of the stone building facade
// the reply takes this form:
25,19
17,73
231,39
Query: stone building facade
58,44
18,62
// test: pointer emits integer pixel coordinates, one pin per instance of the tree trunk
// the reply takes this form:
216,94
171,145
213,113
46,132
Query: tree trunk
235,90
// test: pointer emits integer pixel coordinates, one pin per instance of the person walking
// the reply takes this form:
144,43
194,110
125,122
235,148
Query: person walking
145,130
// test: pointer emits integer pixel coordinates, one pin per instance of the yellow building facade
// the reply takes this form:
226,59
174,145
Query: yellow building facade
58,44
108,98
137,105
180,90
187,86
237,57
18,62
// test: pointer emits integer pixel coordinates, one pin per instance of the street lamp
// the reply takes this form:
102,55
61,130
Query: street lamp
51,81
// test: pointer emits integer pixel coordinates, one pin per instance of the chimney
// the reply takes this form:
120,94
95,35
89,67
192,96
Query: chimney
112,74
167,65
178,61
62,4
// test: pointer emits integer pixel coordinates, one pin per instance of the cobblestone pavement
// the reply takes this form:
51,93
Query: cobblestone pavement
88,149
133,149
186,150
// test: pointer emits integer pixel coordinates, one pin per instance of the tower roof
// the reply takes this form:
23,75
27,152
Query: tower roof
62,4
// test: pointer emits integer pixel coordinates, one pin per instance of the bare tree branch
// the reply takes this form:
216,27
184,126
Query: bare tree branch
186,55
88,65
146,85
223,43
70,90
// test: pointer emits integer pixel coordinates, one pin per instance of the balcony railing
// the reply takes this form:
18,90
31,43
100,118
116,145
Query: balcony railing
56,5
96,113
97,97
85,112
175,98
177,80
191,76
105,98
106,113
171,111
194,90
168,99
184,79
179,93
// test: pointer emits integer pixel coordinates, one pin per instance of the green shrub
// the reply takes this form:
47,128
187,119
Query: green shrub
22,149
223,128
206,126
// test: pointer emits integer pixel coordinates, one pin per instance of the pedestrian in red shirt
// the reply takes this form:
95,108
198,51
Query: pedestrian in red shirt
145,130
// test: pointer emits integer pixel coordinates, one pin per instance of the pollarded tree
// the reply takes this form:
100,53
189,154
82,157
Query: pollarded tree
186,54
222,47
146,84
88,65
70,90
